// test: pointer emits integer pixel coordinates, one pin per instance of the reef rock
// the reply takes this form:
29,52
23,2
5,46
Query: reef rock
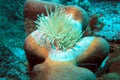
49,63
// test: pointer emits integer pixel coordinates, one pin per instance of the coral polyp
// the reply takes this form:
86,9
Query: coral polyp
62,31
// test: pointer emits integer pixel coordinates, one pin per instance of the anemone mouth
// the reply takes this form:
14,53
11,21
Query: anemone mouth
62,30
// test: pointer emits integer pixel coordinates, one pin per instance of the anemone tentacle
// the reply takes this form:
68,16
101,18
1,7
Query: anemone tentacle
59,28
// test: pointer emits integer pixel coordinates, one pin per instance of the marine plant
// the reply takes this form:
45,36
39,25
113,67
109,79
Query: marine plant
61,30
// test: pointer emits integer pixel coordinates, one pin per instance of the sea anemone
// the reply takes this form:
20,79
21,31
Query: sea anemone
61,29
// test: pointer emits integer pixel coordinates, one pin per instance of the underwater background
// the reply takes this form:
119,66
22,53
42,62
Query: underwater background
13,62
